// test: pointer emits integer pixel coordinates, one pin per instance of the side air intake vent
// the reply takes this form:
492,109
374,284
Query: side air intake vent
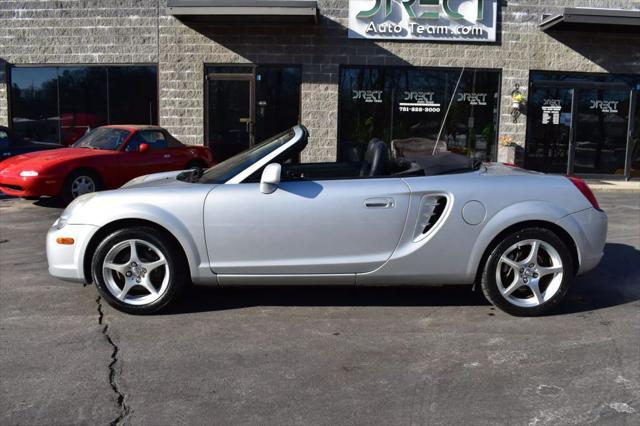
432,208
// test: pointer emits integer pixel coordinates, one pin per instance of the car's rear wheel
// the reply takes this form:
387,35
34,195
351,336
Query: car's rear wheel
79,183
528,273
138,270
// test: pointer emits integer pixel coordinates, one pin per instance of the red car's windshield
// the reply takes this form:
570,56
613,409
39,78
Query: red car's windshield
103,138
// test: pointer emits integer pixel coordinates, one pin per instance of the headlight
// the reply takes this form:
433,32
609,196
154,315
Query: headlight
28,173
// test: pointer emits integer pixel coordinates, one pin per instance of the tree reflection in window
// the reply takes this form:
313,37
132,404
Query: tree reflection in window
61,104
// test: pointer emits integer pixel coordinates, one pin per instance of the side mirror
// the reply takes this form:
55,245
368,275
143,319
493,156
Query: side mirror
270,178
144,147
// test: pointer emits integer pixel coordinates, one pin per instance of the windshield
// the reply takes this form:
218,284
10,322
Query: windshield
220,173
103,138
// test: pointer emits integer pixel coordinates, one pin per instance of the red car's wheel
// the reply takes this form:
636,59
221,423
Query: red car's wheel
79,183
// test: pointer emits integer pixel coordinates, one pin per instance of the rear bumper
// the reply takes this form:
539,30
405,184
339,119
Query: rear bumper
66,261
588,228
35,186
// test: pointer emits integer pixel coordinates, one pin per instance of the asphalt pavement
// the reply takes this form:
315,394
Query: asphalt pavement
322,355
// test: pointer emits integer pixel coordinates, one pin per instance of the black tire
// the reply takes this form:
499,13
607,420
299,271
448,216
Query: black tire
490,286
175,262
67,188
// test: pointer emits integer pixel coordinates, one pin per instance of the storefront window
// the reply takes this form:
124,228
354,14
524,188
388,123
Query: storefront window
34,103
138,106
635,141
397,103
601,133
579,123
60,104
83,106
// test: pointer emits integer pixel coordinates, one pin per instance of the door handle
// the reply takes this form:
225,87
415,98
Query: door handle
379,203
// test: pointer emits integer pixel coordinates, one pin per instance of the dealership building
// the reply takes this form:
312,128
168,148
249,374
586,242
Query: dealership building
552,85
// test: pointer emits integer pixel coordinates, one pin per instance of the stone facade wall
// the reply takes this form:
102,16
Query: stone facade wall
40,32
140,31
4,108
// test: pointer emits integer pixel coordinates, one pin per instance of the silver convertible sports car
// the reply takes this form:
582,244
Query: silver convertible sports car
264,218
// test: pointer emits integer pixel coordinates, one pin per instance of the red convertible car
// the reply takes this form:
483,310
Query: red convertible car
107,157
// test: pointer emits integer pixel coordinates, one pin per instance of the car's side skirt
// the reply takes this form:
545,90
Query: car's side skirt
294,279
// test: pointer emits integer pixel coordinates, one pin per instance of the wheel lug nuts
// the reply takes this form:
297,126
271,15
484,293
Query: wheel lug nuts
134,264
137,280
535,275
144,271
531,265
524,280
128,274
521,270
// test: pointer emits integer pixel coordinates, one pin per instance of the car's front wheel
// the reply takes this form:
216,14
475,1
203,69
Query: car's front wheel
528,273
138,270
79,183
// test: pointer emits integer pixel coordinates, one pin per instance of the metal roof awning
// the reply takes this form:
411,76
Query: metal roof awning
579,18
246,10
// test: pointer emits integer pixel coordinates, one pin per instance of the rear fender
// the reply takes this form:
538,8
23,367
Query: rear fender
507,217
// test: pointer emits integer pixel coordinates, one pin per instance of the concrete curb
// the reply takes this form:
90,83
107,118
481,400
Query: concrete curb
614,186
602,188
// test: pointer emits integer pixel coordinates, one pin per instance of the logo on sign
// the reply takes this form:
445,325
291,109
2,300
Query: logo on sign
424,97
418,102
453,20
605,106
473,98
369,96
552,102
551,109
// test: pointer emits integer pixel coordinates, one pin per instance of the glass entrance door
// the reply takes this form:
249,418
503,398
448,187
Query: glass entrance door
230,114
602,124
247,104
583,123
548,147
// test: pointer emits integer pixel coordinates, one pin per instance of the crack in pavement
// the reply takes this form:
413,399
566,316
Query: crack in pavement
120,396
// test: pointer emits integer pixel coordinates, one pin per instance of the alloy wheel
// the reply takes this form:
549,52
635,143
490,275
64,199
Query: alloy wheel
82,185
529,273
136,272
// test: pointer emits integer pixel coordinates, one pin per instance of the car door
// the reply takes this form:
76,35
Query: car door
156,159
305,227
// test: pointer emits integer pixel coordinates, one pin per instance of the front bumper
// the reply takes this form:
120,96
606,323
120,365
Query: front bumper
66,261
588,228
33,186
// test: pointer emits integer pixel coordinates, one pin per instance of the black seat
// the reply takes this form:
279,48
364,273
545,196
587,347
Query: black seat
376,159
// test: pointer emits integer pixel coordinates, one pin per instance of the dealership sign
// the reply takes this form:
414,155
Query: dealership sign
429,20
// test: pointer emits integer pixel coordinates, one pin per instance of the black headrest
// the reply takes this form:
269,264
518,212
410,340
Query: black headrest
376,159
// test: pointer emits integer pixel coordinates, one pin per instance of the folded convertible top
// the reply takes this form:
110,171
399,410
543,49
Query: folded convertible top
439,164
